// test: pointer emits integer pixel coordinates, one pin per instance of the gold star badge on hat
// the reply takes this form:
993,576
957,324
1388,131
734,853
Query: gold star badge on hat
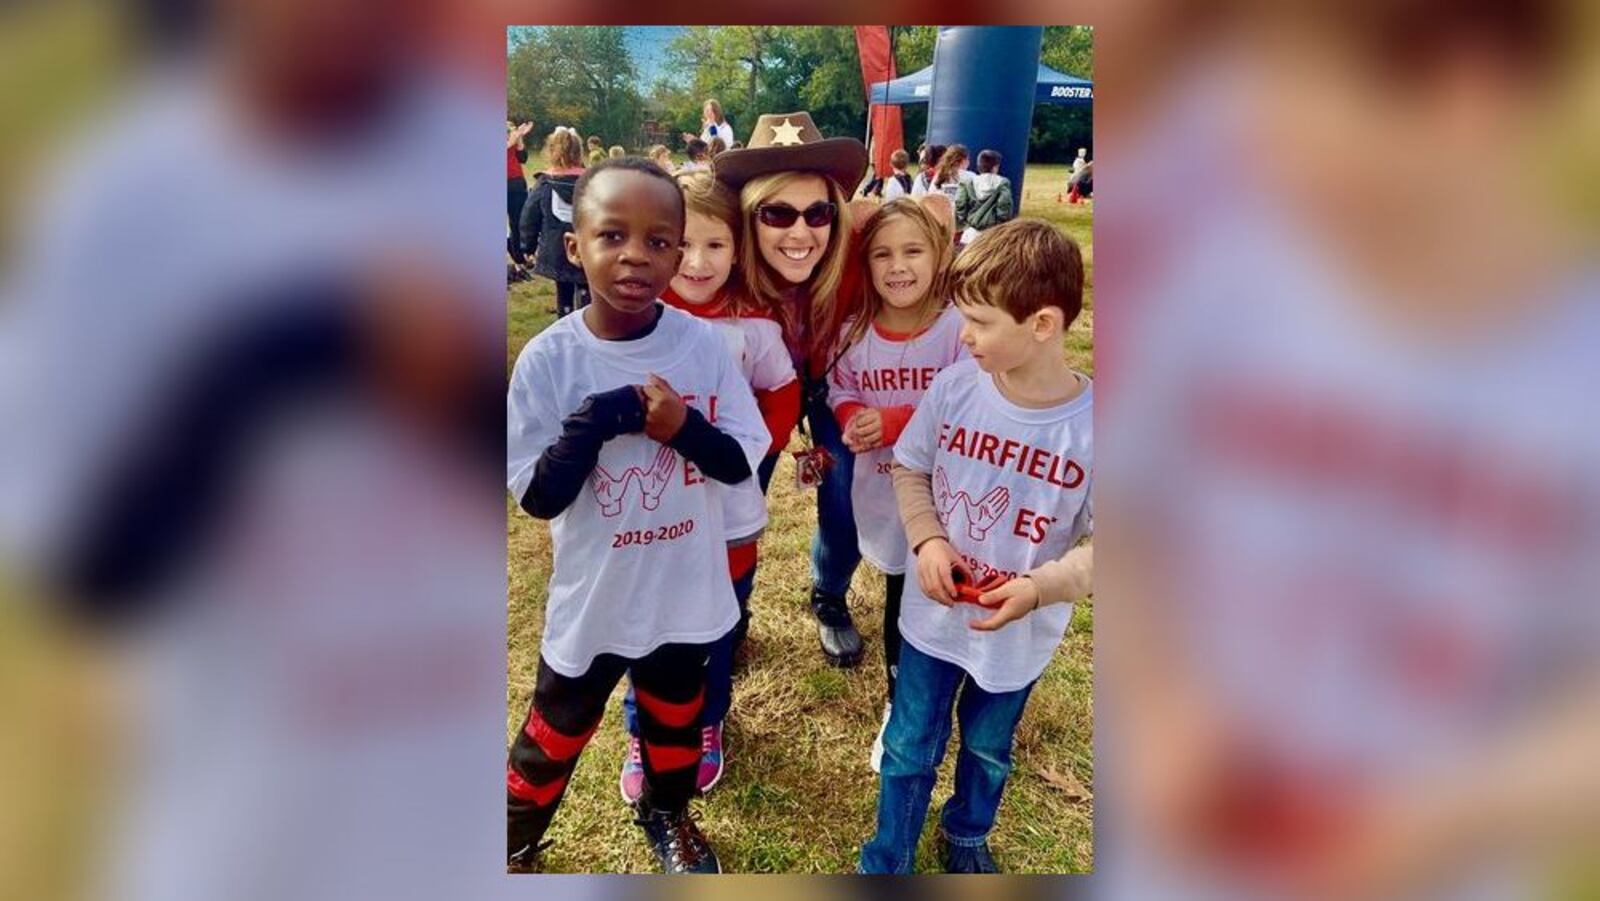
785,133
790,142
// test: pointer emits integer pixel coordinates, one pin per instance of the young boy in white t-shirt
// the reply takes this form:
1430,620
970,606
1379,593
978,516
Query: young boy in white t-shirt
619,422
992,478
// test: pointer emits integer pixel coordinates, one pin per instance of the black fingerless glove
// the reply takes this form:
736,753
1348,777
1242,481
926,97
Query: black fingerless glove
619,411
562,468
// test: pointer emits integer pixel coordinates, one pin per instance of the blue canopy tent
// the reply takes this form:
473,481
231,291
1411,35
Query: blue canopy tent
1052,87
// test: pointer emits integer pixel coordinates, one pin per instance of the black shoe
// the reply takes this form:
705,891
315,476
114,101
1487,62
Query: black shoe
966,858
528,859
841,643
677,841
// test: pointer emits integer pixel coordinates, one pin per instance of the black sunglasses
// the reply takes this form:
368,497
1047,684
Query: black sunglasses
782,215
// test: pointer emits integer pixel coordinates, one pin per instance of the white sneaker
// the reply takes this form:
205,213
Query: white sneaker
877,743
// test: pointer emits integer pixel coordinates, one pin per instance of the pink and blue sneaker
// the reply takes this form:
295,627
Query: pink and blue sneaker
710,757
632,780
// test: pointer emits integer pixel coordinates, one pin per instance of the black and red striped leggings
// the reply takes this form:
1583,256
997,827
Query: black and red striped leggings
669,683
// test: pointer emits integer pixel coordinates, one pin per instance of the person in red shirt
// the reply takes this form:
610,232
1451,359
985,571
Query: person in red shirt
516,192
795,238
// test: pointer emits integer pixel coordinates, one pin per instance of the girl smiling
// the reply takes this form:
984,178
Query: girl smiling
904,335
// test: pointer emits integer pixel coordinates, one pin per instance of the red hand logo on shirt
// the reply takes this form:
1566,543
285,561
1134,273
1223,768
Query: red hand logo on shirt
944,500
982,515
609,490
653,481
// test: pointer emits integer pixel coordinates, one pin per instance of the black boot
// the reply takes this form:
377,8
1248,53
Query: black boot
966,858
528,858
677,841
841,643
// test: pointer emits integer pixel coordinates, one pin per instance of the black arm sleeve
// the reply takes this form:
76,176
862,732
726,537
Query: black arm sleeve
157,505
559,474
717,454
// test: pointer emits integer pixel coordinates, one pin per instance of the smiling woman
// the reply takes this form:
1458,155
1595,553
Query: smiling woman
793,185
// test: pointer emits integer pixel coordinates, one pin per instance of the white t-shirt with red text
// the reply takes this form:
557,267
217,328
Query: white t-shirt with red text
639,555
1011,485
883,370
758,349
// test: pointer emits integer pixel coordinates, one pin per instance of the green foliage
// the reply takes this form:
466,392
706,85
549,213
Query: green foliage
756,69
827,68
913,51
729,63
1058,131
584,76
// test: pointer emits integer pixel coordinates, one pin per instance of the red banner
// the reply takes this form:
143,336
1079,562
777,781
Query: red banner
877,64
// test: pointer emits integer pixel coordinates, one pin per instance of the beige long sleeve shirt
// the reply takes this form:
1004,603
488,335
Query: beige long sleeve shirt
1067,578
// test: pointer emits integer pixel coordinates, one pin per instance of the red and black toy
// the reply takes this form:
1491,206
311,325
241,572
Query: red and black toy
968,590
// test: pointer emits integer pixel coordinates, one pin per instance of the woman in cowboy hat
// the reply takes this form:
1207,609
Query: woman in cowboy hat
795,251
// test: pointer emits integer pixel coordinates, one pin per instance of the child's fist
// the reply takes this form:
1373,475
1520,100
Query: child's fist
1015,599
619,411
935,560
664,410
865,432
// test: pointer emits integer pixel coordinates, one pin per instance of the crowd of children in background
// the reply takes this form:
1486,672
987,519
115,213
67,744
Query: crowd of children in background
529,216
646,430
981,199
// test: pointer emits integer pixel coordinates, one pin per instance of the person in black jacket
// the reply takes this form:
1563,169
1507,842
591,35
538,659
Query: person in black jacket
547,216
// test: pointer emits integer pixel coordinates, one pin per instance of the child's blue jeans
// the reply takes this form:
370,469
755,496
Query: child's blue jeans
914,745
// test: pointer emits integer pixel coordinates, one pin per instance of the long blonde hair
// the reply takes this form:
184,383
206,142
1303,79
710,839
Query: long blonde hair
940,244
766,285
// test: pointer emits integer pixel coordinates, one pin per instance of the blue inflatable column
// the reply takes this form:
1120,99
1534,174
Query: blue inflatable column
984,81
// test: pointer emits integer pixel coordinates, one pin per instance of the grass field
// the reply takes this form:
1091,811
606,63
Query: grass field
798,795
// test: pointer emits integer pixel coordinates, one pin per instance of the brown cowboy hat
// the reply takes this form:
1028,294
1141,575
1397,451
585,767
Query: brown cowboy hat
783,142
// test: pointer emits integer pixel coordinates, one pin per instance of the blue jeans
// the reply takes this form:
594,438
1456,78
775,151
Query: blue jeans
834,550
914,745
719,667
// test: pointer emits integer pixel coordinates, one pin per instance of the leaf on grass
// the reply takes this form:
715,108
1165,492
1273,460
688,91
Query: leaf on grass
1067,783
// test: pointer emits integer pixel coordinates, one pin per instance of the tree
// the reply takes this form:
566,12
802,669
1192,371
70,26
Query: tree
1058,131
1069,49
584,77
825,66
913,51
581,76
730,63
